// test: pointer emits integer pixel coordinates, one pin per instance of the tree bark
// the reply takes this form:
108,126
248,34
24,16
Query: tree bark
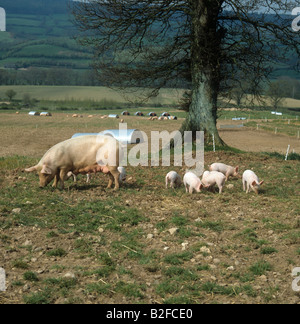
205,68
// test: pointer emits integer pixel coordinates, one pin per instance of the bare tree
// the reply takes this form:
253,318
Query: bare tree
10,94
206,43
277,94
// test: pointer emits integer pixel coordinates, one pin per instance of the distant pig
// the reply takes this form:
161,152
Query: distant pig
210,179
174,179
192,182
251,181
227,170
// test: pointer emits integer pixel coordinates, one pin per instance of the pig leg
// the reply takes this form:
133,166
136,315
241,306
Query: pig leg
55,182
62,178
111,181
167,182
220,189
221,186
56,179
244,185
227,176
114,175
248,188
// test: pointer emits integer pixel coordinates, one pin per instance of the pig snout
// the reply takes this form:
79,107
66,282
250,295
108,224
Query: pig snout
45,180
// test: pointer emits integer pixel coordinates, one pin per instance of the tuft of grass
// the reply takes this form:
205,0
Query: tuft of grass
268,250
20,264
130,290
260,268
213,226
30,276
178,258
59,252
43,297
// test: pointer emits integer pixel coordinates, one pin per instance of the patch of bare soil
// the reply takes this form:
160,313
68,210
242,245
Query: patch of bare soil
32,136
258,141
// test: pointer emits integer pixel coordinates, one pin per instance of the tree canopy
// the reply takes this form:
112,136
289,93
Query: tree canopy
209,45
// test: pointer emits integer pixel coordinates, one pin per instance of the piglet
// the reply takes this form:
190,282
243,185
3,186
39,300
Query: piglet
227,170
210,179
174,179
98,168
251,182
192,182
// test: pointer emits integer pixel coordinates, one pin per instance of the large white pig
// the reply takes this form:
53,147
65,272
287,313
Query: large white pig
251,181
210,179
76,154
227,170
192,182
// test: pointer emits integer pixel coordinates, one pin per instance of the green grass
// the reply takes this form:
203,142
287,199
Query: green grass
30,276
261,268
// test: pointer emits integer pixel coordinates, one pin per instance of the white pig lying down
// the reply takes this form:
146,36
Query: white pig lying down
210,179
76,154
174,179
227,170
192,182
251,182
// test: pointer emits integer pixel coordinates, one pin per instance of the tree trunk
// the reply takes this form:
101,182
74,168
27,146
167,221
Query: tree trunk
205,69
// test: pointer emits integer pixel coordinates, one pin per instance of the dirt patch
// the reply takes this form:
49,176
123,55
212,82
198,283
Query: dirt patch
259,141
32,136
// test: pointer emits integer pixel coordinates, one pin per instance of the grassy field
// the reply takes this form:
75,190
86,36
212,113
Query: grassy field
144,243
73,96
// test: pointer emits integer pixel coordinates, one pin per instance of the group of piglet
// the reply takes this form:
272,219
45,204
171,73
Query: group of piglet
217,175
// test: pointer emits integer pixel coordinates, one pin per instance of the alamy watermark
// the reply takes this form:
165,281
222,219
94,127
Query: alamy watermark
296,281
157,150
2,280
296,21
2,20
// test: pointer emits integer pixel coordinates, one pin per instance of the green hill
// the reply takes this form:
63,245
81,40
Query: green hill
40,34
39,47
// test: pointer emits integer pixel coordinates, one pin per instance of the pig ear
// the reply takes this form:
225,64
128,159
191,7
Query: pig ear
32,169
46,170
254,183
261,182
201,186
237,169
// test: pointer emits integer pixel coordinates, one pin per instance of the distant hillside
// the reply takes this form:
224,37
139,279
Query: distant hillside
38,47
39,42
40,33
34,7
